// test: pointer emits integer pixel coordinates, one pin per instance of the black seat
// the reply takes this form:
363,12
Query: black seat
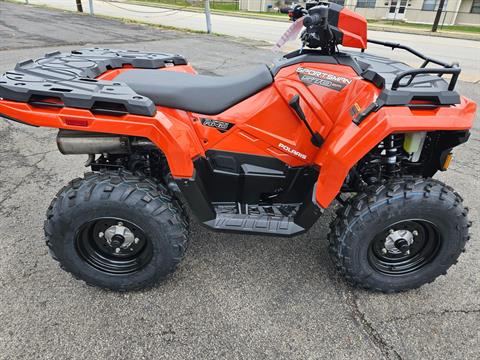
201,94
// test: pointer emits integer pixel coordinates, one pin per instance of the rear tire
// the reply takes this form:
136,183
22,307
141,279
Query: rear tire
116,230
423,215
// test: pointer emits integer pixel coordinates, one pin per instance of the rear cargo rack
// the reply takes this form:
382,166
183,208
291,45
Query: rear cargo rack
68,79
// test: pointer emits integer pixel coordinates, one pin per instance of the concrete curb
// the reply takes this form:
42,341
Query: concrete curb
453,35
255,16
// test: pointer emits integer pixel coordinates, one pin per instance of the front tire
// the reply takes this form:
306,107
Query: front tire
399,236
116,230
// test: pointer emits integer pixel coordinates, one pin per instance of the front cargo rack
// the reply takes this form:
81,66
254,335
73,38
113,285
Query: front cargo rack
446,68
420,88
68,79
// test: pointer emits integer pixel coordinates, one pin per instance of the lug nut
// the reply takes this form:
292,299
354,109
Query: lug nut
117,250
384,251
101,234
391,231
120,223
137,240
415,233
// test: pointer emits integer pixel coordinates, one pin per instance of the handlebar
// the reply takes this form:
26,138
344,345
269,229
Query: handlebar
312,20
318,33
295,12
317,16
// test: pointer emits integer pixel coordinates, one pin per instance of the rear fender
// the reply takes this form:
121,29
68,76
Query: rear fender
347,144
170,130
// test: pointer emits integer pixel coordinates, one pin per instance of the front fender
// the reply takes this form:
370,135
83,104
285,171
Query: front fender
348,143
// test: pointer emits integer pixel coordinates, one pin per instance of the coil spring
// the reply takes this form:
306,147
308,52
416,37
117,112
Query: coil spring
383,162
393,153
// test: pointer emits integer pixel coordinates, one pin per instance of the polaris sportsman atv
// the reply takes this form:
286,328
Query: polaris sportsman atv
261,152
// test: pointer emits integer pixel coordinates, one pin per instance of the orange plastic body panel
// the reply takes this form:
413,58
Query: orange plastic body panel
265,125
265,121
112,74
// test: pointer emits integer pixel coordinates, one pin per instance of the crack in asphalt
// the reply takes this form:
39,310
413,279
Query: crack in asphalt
39,46
359,318
22,159
80,43
433,313
224,62
21,182
374,336
40,153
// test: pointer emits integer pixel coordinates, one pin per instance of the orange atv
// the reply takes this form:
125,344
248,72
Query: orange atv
261,152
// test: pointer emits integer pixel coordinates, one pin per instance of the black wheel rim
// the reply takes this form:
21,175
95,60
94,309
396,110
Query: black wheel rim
422,251
94,248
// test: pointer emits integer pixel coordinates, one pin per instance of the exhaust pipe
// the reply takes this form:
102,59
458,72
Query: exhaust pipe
78,142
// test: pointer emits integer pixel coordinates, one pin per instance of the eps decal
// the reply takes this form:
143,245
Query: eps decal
222,126
316,77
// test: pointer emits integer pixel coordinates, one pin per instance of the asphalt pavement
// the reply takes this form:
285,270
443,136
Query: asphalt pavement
234,296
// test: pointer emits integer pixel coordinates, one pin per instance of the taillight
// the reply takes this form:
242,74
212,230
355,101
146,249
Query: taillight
76,121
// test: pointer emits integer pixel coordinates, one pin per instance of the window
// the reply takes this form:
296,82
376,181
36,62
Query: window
366,3
432,5
475,7
339,2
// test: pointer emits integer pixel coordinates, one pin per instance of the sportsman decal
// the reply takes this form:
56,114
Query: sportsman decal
316,77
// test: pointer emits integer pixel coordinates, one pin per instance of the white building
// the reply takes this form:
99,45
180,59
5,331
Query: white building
456,12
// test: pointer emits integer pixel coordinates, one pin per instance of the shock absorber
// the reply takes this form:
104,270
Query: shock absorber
393,153
382,163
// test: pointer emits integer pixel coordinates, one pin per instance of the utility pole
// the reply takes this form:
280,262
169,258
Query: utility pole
79,6
437,17
90,3
208,16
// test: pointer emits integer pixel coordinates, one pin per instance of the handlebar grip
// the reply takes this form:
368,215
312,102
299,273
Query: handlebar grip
311,20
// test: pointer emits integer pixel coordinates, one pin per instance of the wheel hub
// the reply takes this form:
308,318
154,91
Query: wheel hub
119,236
404,247
399,241
114,246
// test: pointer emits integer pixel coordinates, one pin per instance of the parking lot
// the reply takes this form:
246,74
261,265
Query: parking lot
235,297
